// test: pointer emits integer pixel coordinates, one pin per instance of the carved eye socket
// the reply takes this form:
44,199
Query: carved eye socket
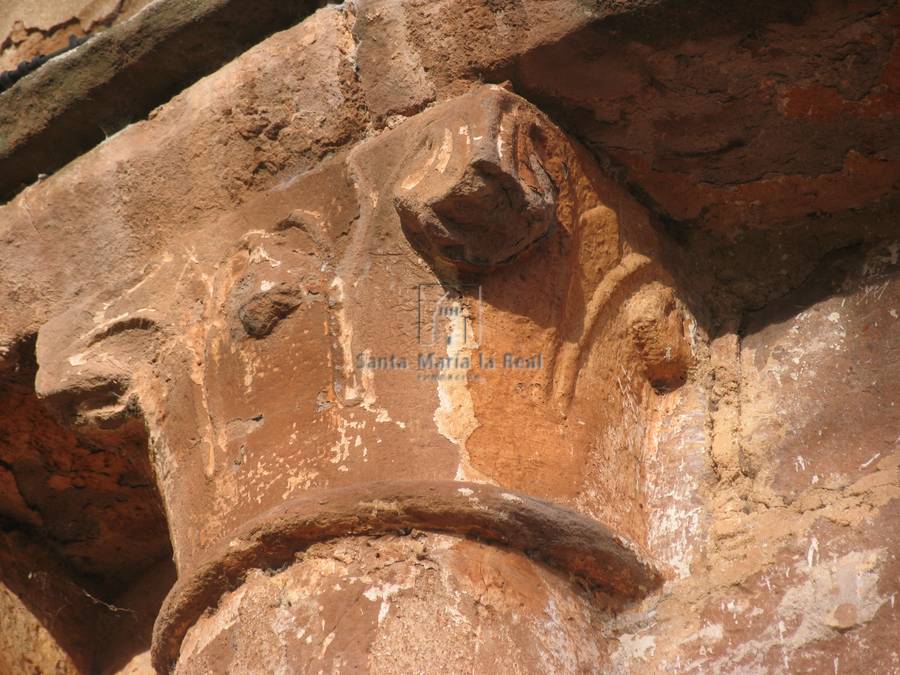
538,137
91,387
136,323
265,310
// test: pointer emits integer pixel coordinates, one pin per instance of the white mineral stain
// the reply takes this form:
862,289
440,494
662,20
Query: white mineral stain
464,131
872,459
340,451
382,592
301,479
812,553
711,632
455,415
212,626
77,360
633,647
445,152
260,254
345,340
837,594
325,644
369,399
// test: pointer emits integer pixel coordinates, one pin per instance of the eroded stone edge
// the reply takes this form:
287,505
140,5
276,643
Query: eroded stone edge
559,536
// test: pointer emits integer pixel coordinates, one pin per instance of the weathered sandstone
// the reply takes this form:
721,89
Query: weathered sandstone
450,336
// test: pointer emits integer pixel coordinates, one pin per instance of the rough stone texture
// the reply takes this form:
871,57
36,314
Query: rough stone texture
492,335
562,538
29,29
111,358
75,101
54,619
480,197
43,612
748,118
254,126
799,569
485,608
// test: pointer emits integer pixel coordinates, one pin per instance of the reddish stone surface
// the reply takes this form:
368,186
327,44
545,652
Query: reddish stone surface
539,336
750,118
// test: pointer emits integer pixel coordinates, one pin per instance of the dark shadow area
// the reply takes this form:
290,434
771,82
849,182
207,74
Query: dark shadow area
839,274
9,77
730,282
695,108
86,545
